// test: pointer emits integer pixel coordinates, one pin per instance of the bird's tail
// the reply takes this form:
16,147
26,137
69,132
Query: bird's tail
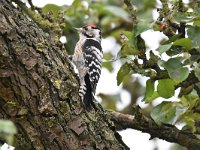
86,93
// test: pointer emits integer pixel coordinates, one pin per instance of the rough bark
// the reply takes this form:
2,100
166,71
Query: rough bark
38,91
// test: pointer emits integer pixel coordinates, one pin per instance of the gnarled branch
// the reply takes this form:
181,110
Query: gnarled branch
166,132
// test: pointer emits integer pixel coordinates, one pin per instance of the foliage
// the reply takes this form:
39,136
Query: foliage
177,74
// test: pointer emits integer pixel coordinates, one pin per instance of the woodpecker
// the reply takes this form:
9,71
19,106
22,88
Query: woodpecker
87,58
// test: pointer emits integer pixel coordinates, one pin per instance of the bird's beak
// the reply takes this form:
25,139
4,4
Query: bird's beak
77,29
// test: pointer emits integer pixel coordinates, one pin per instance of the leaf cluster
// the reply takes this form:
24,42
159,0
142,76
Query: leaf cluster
172,68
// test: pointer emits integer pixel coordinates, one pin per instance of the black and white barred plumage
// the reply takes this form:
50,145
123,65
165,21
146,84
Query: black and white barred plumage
87,58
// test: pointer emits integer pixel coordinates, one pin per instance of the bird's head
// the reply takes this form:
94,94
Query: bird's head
89,31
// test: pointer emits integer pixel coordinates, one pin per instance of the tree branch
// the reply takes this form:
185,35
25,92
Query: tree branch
166,132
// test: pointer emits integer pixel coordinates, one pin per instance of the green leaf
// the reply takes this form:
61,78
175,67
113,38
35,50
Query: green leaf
141,27
189,100
107,56
194,35
180,110
179,74
108,64
174,50
197,9
197,73
182,17
166,88
127,49
151,98
164,48
197,21
153,58
176,70
173,64
74,11
128,34
55,9
145,15
149,90
163,113
184,42
123,71
149,87
172,39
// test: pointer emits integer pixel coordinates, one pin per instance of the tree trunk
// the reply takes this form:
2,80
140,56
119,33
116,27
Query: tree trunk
39,91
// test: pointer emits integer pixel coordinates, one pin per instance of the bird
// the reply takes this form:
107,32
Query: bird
87,58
